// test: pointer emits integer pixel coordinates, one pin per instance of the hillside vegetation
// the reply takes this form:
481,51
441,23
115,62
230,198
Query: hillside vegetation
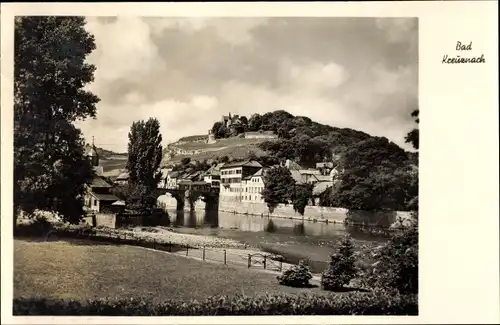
299,138
108,154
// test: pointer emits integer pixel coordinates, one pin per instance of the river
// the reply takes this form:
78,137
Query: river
295,239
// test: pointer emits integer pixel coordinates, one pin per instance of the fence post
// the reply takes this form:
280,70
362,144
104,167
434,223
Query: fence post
170,247
249,260
154,243
265,256
187,249
281,265
203,252
225,260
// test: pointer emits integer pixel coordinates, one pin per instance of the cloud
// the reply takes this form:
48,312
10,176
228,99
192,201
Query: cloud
187,72
124,49
176,118
397,29
314,77
231,30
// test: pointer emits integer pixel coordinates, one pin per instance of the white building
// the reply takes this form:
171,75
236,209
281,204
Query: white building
254,185
212,176
233,179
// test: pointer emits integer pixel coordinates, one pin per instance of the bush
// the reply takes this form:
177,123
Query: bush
341,269
396,267
353,303
296,276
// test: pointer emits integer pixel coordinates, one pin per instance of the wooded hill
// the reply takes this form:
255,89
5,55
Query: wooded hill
299,137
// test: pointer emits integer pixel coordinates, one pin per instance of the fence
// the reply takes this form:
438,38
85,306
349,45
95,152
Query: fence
233,256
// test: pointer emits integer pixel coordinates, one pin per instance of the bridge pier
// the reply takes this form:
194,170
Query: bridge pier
211,199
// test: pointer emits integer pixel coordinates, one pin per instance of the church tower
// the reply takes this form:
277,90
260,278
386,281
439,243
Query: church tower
93,156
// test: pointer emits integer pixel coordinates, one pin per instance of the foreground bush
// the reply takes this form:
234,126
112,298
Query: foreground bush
341,269
296,276
305,304
397,263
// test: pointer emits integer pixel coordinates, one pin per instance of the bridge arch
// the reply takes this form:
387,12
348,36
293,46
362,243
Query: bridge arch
189,198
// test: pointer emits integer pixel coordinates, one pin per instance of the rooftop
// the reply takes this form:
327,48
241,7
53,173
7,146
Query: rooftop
247,163
297,177
100,182
324,178
309,172
321,187
123,176
105,197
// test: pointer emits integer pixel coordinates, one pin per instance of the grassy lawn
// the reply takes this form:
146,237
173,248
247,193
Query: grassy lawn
82,269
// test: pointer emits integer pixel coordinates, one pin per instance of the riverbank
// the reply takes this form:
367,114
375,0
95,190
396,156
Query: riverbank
316,214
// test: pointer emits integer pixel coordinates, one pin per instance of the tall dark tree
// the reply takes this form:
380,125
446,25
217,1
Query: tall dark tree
50,72
413,135
373,176
144,159
301,196
278,188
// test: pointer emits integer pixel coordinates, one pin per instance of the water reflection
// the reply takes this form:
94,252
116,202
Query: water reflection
246,223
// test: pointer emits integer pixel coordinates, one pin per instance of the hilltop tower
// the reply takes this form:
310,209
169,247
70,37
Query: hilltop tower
93,156
211,137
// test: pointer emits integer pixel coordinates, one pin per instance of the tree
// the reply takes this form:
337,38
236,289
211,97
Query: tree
341,268
372,176
50,73
219,130
144,159
278,187
413,135
301,196
255,122
244,121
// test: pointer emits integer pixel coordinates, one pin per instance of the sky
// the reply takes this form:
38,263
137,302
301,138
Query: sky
360,73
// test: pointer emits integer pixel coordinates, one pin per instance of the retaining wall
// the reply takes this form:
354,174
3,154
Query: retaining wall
320,214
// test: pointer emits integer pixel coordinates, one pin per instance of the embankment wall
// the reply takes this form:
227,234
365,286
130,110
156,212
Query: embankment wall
320,214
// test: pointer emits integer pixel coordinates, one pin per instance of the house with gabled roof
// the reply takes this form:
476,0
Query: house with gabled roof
212,175
98,196
254,185
233,179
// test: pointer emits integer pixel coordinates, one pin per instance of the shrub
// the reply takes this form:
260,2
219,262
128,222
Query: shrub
396,267
341,269
296,276
353,303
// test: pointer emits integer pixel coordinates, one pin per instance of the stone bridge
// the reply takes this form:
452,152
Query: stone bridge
189,195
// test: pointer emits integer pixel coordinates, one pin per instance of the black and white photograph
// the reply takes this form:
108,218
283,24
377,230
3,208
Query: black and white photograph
215,166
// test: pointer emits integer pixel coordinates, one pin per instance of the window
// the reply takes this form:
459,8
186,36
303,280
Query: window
95,202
